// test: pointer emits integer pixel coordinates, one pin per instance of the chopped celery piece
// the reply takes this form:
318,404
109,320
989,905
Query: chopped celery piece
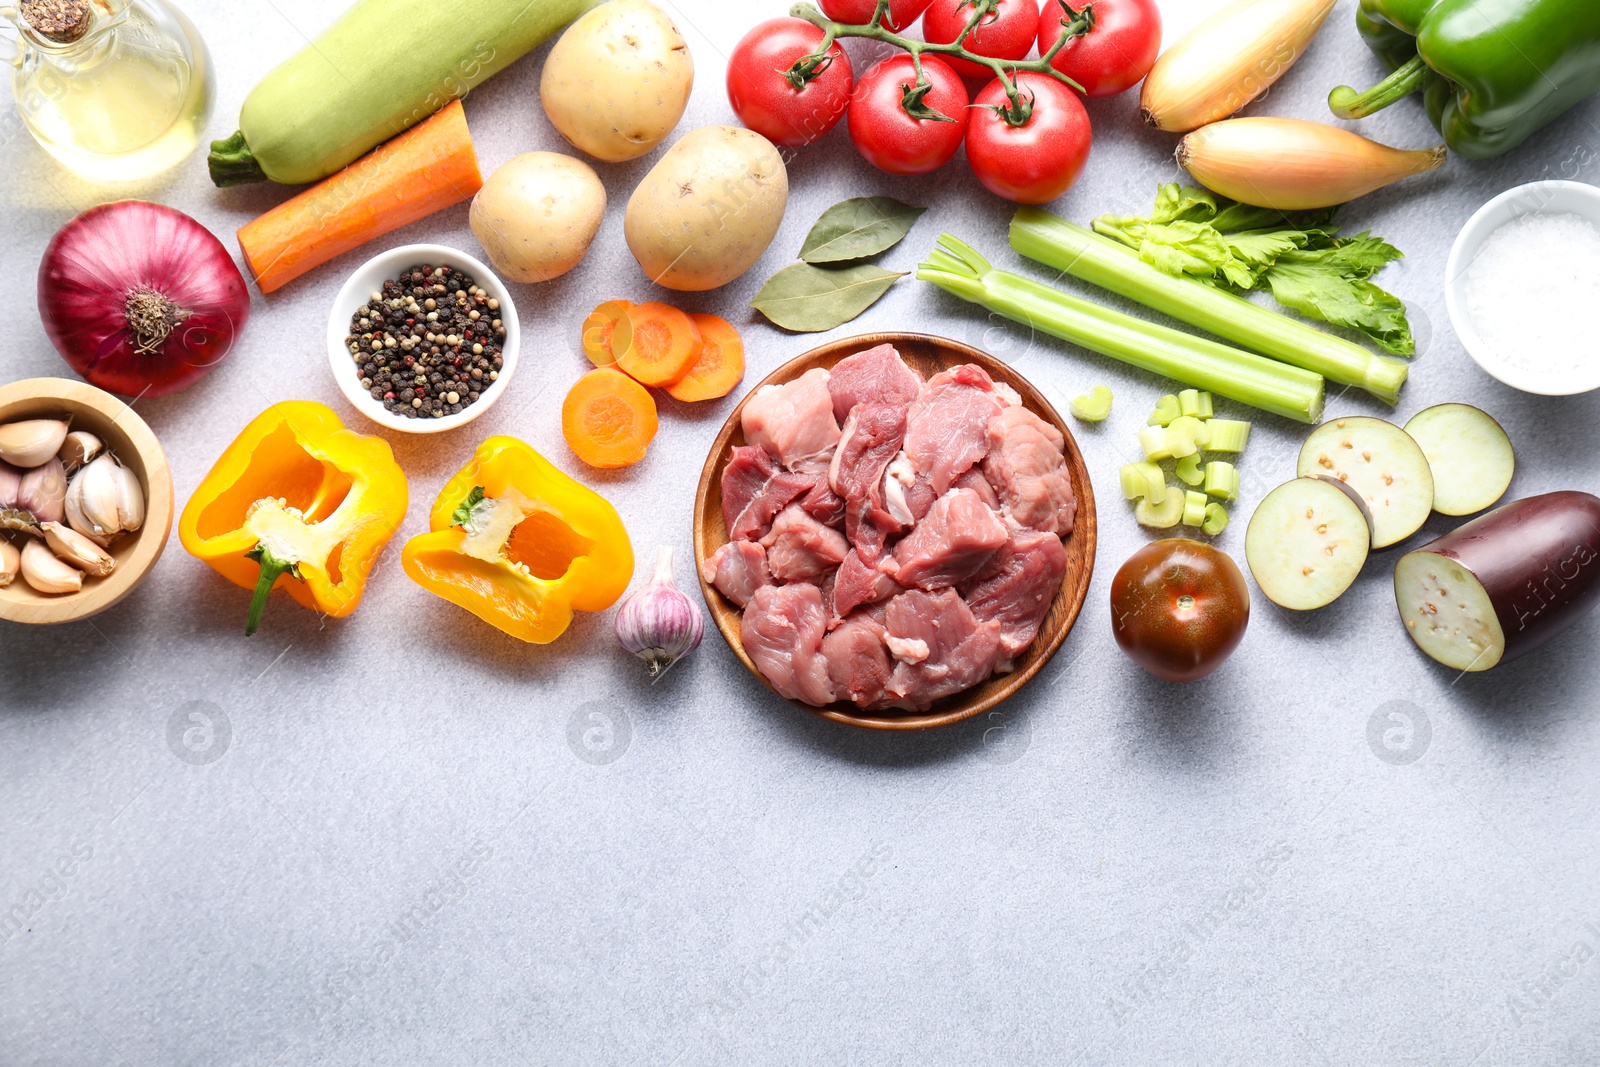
1263,383
1098,260
1227,435
1194,508
1189,470
1167,409
1216,519
1195,403
1143,480
1154,442
1191,428
1132,481
1222,480
1180,444
1163,516
1094,407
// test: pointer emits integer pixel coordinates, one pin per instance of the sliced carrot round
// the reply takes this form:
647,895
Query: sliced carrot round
608,419
655,343
718,368
598,330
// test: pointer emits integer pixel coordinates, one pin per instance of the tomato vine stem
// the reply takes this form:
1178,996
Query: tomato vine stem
1076,24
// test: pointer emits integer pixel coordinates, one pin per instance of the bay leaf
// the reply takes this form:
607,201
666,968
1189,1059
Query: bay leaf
857,228
809,299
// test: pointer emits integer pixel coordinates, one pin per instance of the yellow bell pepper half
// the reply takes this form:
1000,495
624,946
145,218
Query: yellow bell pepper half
520,544
300,502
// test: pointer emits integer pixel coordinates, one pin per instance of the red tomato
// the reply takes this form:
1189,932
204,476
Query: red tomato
902,13
1038,161
1112,57
1005,33
1179,608
762,95
891,138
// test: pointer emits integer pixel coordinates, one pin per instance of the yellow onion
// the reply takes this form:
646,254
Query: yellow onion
1294,165
1228,60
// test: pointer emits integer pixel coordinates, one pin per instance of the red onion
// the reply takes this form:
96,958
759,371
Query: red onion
140,298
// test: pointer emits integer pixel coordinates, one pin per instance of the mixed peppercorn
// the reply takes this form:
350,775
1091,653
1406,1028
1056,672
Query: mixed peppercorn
429,344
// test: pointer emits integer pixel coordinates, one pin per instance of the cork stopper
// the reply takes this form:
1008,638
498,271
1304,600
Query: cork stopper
62,21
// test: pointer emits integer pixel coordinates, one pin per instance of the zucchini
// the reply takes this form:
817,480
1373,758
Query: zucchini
384,66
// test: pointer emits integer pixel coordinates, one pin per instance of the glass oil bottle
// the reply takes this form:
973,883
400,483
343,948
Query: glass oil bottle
117,90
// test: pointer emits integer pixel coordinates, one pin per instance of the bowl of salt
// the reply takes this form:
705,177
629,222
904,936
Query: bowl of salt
1522,286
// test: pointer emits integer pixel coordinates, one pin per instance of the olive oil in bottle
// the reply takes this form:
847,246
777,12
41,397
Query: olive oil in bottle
117,90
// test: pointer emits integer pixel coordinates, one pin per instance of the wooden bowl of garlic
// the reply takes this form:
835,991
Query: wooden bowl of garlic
85,500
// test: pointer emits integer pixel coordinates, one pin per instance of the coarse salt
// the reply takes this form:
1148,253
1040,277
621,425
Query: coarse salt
1532,292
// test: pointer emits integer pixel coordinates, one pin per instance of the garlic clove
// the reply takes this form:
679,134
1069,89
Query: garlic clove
99,493
72,547
31,442
130,500
43,491
19,521
79,448
10,562
10,482
660,624
47,574
75,516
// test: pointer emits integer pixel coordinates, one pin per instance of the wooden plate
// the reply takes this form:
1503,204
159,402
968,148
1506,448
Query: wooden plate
128,437
930,355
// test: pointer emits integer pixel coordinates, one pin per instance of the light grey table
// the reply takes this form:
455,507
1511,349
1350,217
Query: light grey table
407,838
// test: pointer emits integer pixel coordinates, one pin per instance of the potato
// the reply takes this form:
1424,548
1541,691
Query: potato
708,209
617,82
537,215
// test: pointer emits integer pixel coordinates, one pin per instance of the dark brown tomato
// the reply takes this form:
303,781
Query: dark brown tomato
1179,608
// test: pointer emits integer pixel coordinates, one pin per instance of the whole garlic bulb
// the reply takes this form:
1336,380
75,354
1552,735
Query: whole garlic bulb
659,624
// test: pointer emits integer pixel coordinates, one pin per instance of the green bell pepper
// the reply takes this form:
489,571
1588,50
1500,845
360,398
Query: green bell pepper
1492,72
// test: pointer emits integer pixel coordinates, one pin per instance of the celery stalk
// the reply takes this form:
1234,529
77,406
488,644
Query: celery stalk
1194,508
1216,519
1098,260
1250,379
1188,470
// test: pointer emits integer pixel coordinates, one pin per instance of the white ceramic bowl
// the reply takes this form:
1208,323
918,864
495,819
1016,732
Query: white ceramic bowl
1550,198
368,279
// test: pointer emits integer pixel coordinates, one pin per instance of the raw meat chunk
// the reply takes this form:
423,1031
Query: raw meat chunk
1026,468
782,633
737,569
821,503
856,584
799,548
961,651
975,481
1017,587
951,544
947,427
794,422
754,490
871,439
877,376
858,663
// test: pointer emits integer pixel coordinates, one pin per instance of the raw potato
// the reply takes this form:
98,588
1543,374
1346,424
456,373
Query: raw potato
537,215
708,209
1380,461
1469,453
617,82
